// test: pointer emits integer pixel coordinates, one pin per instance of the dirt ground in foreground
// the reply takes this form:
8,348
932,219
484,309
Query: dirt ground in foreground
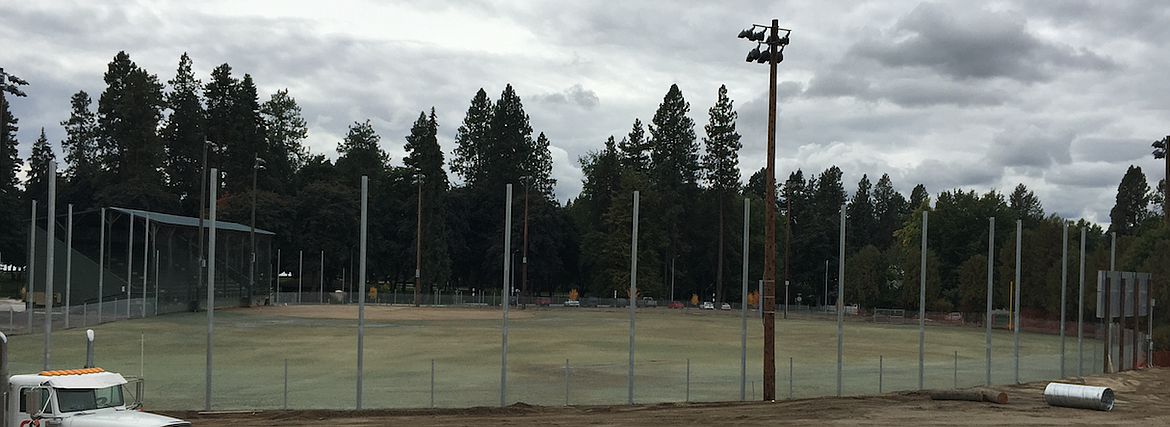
384,312
1142,398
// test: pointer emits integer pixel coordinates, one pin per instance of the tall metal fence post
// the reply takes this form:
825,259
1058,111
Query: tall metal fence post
32,261
840,299
1016,308
129,261
210,284
688,380
507,292
1063,291
790,378
360,285
68,264
988,320
744,308
880,374
286,384
145,260
955,383
1081,311
922,308
50,250
102,262
633,294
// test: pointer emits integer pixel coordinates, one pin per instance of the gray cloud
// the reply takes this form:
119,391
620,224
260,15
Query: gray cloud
1113,150
575,96
1030,145
1084,175
975,44
940,176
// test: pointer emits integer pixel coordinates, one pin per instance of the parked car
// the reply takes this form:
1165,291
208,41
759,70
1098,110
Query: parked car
591,302
707,305
572,303
674,304
725,306
647,302
543,302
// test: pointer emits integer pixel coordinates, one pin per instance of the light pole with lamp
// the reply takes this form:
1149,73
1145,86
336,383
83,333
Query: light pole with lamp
773,56
256,166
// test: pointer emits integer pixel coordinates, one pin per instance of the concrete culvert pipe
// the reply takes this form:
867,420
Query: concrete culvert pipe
1079,396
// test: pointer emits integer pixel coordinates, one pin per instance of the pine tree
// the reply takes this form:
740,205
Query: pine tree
721,167
286,132
129,112
81,145
129,116
235,126
674,151
890,208
1026,206
219,97
184,136
360,154
471,139
510,153
824,225
16,238
36,187
603,171
635,149
10,162
721,160
426,162
796,200
862,220
674,170
239,156
1133,201
918,196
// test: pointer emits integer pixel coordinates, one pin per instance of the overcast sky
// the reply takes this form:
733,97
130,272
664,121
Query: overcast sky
1061,96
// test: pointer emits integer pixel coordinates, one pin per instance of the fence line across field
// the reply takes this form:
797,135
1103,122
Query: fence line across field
660,380
182,296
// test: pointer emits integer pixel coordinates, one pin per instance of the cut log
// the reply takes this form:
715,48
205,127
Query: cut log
971,395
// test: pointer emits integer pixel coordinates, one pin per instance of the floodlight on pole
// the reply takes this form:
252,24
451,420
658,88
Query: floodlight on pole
773,56
1160,150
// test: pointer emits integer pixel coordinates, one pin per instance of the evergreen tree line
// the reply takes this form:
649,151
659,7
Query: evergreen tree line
147,144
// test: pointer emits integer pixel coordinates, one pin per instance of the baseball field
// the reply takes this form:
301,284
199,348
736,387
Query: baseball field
305,357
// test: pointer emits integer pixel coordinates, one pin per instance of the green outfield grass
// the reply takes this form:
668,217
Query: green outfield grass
250,352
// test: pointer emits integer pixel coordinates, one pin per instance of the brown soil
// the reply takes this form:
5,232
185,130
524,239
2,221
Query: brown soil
1141,399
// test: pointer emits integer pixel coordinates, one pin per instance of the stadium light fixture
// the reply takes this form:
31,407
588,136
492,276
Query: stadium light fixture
772,56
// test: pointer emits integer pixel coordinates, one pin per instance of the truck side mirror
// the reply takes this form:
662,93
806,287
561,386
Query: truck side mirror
32,401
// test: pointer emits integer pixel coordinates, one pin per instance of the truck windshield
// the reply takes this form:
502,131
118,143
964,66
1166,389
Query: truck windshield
84,399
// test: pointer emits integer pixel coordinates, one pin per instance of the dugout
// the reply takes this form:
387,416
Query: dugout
121,257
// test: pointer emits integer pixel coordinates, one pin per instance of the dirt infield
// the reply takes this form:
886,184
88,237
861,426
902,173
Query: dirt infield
1141,399
384,312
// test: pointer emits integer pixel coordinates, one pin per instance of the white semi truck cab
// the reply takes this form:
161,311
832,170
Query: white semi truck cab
86,397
